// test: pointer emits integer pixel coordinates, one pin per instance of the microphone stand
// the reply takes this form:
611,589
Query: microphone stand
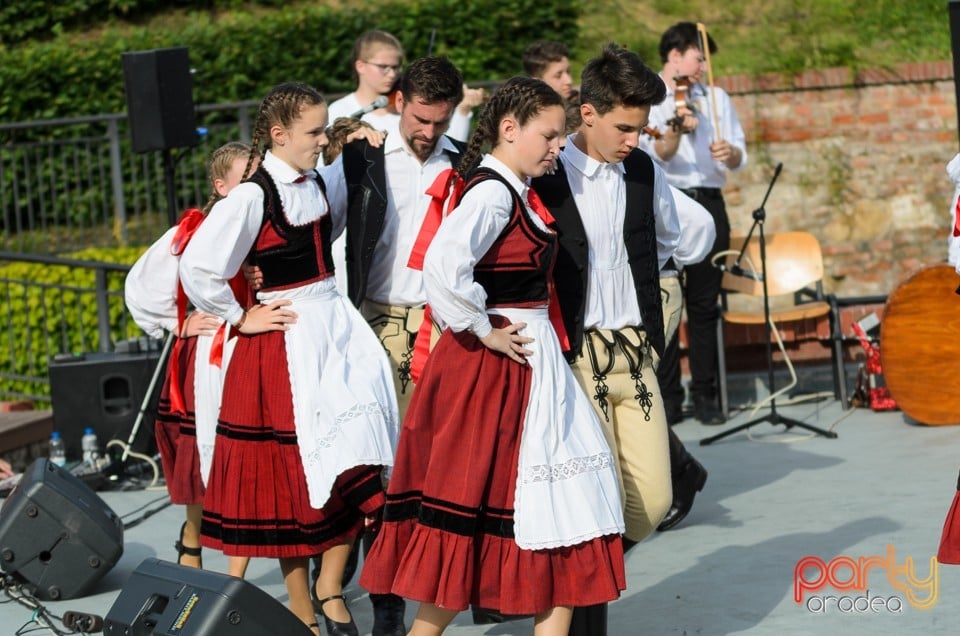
759,216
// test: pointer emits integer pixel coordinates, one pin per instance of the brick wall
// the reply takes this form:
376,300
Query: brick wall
864,159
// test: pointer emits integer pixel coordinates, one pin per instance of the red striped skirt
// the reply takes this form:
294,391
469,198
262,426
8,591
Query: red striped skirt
447,535
257,502
176,433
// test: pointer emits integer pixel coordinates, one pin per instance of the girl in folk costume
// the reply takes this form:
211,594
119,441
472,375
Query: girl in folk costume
309,416
190,399
504,494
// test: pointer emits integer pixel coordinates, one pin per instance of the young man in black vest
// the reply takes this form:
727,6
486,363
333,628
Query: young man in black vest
385,190
617,228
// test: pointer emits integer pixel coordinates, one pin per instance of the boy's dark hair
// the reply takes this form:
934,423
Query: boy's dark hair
542,54
433,80
617,77
683,36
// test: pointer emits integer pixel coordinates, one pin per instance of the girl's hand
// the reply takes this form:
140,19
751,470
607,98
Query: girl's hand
508,342
253,275
269,317
374,137
199,323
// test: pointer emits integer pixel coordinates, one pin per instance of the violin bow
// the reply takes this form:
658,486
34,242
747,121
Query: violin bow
705,49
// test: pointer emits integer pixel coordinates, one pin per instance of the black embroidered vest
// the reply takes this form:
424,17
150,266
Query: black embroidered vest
515,270
289,255
364,168
639,237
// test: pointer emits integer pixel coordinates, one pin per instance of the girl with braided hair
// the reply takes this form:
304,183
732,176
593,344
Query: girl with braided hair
190,398
503,495
309,415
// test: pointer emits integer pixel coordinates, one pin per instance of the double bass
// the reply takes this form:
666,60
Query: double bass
919,337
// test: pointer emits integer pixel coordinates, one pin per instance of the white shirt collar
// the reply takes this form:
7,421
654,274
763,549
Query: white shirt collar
489,161
584,162
281,171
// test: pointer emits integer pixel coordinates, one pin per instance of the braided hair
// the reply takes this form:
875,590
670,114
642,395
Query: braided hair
281,106
221,161
523,98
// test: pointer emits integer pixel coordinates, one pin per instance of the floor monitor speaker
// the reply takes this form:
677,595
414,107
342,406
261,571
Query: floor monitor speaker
56,535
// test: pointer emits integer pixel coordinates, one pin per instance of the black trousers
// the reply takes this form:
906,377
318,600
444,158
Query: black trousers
668,376
701,293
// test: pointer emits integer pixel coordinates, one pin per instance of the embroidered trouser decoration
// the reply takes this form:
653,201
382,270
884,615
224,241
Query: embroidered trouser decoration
406,356
600,373
635,355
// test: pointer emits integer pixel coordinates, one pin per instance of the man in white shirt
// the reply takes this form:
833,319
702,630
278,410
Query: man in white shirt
696,158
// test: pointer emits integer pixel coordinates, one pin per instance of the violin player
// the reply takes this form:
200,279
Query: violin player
703,144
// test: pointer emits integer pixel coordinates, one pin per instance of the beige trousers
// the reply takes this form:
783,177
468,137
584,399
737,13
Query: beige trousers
397,327
631,411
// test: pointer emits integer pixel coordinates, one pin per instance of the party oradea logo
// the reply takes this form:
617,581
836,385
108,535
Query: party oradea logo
861,584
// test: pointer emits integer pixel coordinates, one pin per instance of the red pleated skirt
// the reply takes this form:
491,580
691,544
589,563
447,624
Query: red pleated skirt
949,551
447,535
176,433
257,502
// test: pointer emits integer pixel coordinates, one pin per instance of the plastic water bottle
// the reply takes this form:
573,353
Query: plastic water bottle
90,446
58,452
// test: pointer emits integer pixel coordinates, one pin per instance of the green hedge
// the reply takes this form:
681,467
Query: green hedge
22,20
241,54
53,309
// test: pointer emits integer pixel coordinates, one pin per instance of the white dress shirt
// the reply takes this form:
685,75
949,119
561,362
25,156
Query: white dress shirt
599,192
697,231
693,166
390,281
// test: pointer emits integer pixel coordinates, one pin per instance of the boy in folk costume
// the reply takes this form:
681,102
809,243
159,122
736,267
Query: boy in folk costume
617,227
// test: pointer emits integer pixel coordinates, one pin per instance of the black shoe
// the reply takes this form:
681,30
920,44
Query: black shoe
483,616
189,551
333,627
705,409
686,485
388,612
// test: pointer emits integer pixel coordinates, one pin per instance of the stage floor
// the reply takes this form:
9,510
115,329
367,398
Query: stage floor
771,499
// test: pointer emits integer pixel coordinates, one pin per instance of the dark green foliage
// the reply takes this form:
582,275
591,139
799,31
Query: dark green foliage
53,309
239,55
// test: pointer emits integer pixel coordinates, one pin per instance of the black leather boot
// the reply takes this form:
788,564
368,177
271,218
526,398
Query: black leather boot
686,484
388,609
589,621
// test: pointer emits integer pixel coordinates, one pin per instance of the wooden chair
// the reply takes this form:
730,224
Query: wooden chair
794,284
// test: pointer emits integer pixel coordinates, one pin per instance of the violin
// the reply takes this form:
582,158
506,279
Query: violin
652,132
681,100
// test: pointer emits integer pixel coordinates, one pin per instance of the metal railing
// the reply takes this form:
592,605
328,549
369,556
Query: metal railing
73,183
54,306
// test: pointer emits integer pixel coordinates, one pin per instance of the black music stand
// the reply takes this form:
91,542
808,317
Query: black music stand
759,216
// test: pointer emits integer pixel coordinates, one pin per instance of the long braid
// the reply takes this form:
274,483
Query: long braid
281,106
522,97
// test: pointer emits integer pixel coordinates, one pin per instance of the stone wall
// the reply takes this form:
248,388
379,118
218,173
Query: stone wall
864,157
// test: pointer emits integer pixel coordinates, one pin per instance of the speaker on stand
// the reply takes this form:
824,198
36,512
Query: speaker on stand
159,90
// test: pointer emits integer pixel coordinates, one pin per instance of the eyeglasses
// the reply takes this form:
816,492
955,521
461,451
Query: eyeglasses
385,68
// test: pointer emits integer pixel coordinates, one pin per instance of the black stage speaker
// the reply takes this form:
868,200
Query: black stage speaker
159,99
162,598
56,534
103,391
